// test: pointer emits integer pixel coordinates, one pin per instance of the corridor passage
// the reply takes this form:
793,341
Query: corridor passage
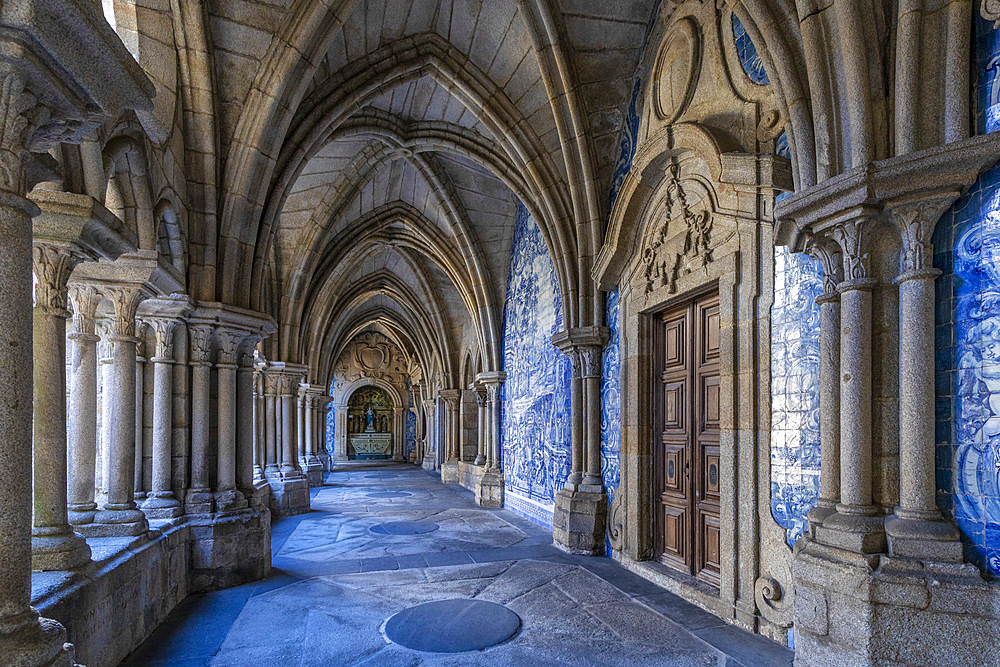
382,538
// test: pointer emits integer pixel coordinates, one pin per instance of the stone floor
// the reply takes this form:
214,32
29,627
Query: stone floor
335,583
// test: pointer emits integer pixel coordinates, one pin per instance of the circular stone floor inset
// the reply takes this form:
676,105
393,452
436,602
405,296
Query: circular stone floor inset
404,528
388,494
452,626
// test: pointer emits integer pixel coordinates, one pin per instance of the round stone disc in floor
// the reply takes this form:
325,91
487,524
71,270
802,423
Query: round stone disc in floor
404,528
452,626
388,494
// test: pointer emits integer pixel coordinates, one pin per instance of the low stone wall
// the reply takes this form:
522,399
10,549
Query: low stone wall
113,604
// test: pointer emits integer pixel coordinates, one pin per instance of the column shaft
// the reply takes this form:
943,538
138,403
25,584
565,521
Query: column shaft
199,500
82,427
856,402
829,407
161,503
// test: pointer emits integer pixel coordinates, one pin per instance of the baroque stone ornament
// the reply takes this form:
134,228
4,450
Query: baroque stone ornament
676,72
774,605
616,521
663,266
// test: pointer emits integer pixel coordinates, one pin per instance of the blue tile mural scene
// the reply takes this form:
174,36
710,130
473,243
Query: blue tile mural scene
331,418
410,439
535,398
795,448
611,428
967,245
987,80
747,52
627,144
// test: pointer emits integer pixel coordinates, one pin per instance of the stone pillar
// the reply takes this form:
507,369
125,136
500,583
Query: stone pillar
301,425
483,437
106,330
260,427
54,545
24,637
271,383
429,458
581,507
199,498
119,515
918,530
490,491
246,419
228,498
399,433
449,469
313,466
161,502
829,386
289,453
856,525
138,492
83,406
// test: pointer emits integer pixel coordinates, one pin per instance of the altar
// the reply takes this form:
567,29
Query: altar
369,445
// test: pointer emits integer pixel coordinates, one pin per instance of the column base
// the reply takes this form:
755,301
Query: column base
199,501
230,549
31,640
578,521
314,472
449,472
162,506
489,491
924,539
79,515
900,612
480,460
57,549
824,509
114,522
230,501
427,463
289,496
860,533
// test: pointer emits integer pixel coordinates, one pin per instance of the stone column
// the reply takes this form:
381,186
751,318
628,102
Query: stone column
246,419
54,545
449,469
493,420
138,493
82,415
918,530
855,525
271,383
227,498
260,427
199,499
24,637
288,434
340,445
490,491
399,431
106,330
301,426
119,515
576,420
590,367
429,458
161,502
483,437
829,385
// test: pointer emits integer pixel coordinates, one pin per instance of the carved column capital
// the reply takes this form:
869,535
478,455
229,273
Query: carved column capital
916,221
126,298
227,344
200,339
85,301
481,396
21,118
827,252
163,331
853,236
52,265
451,397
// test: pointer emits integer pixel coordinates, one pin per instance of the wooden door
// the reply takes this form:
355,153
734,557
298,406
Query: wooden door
686,438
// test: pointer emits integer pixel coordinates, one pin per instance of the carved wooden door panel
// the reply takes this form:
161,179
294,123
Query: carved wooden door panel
686,445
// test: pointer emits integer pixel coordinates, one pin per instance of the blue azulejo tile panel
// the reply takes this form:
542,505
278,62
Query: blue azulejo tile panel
795,449
627,144
747,52
967,369
535,398
410,439
611,427
331,418
987,79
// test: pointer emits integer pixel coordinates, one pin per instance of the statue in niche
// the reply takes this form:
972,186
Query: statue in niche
370,419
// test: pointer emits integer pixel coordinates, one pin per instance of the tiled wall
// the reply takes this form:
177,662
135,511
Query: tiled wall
747,53
795,450
331,419
535,400
410,441
611,429
967,315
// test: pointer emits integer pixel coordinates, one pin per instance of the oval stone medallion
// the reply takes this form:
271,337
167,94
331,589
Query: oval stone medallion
404,528
452,626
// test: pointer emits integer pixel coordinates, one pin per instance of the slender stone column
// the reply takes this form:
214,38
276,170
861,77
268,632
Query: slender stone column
829,386
918,529
449,469
227,498
199,498
246,419
54,545
271,383
24,637
119,515
856,520
493,384
301,427
428,458
106,330
399,433
314,437
161,502
576,420
288,434
340,445
483,436
138,492
82,415
260,427
590,367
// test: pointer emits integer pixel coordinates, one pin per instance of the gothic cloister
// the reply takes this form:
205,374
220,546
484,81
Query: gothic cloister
592,331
